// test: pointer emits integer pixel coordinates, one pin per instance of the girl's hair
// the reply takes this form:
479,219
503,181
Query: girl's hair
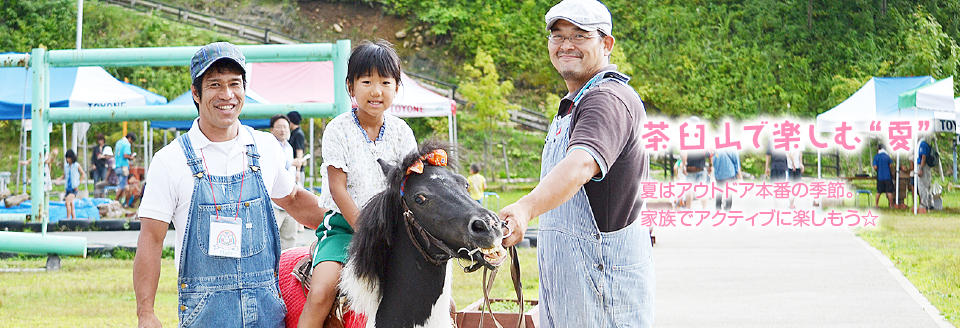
70,155
368,57
278,117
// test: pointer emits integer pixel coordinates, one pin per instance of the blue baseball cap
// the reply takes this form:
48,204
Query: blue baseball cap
213,52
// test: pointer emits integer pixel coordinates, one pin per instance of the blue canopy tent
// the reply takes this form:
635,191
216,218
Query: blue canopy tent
69,87
89,86
187,99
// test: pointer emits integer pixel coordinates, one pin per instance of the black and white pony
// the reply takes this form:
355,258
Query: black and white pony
396,273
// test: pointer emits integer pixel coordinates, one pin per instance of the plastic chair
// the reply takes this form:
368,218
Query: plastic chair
486,196
860,192
108,189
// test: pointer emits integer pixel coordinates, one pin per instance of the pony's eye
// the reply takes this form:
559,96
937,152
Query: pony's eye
420,199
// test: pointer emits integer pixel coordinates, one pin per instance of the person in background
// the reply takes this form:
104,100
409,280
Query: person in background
924,174
679,175
794,170
98,161
72,175
47,162
280,128
883,165
111,176
299,143
130,192
726,169
123,156
478,184
588,197
696,165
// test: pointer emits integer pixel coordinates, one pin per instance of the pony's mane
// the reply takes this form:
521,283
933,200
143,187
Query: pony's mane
382,216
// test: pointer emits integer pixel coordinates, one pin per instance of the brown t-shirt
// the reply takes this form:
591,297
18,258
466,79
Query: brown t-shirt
607,123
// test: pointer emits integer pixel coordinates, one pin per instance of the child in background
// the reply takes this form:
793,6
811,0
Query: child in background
72,175
477,183
352,143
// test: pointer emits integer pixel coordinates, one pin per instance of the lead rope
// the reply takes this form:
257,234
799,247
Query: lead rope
517,286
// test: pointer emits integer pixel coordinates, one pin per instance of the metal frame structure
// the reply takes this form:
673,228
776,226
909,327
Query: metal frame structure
41,60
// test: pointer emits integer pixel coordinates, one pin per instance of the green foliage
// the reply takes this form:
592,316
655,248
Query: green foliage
28,24
487,94
929,51
123,254
716,59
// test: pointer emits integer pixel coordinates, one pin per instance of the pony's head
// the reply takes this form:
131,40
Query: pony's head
439,202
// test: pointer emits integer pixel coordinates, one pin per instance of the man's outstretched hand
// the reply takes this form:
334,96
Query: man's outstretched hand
516,217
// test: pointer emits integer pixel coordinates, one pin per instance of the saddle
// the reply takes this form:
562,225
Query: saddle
303,271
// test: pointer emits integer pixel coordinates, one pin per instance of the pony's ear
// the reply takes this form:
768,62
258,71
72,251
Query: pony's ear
386,167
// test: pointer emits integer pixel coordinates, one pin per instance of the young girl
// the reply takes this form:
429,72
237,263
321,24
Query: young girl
352,143
73,174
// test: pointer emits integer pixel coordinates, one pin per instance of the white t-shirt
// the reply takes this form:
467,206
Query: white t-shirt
794,159
169,184
346,146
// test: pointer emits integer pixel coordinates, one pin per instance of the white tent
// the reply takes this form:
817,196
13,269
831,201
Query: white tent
937,98
876,99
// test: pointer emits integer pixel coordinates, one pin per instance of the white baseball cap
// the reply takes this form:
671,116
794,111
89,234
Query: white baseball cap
589,15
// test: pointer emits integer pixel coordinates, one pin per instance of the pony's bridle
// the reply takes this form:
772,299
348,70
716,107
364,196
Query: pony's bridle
438,157
410,221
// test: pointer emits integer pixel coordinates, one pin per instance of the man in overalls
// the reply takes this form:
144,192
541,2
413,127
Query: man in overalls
215,185
596,268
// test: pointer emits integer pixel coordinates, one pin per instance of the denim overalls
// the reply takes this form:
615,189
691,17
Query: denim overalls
223,291
590,278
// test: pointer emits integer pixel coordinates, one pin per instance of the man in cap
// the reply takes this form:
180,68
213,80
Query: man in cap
599,269
215,185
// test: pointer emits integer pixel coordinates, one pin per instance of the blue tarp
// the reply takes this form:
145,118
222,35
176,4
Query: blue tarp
86,208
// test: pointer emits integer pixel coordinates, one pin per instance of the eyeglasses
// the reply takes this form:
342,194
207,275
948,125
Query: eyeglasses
575,39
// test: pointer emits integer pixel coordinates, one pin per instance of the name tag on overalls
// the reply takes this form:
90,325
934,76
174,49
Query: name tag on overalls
225,236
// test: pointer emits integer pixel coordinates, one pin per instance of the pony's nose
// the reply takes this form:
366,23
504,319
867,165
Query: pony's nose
480,226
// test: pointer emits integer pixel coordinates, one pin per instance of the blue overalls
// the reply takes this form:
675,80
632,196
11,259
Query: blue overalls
590,278
224,291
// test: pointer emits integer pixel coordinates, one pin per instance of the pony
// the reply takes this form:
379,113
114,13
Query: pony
396,273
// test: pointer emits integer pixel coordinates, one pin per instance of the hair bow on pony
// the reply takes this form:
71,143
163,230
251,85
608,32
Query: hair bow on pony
437,157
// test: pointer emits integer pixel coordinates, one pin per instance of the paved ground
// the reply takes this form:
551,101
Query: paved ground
754,277
129,238
780,277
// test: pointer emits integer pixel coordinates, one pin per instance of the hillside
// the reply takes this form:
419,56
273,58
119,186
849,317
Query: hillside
715,59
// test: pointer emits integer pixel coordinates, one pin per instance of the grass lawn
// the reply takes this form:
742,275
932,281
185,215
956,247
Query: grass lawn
926,248
84,293
99,292
96,292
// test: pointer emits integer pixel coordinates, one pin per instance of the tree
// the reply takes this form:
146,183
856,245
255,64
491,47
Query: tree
487,94
929,51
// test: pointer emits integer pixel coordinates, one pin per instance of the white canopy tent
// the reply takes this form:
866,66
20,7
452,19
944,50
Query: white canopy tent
898,98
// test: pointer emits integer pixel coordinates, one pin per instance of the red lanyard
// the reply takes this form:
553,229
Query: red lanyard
216,207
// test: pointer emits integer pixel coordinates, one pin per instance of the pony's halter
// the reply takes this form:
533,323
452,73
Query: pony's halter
448,253
437,157
411,224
